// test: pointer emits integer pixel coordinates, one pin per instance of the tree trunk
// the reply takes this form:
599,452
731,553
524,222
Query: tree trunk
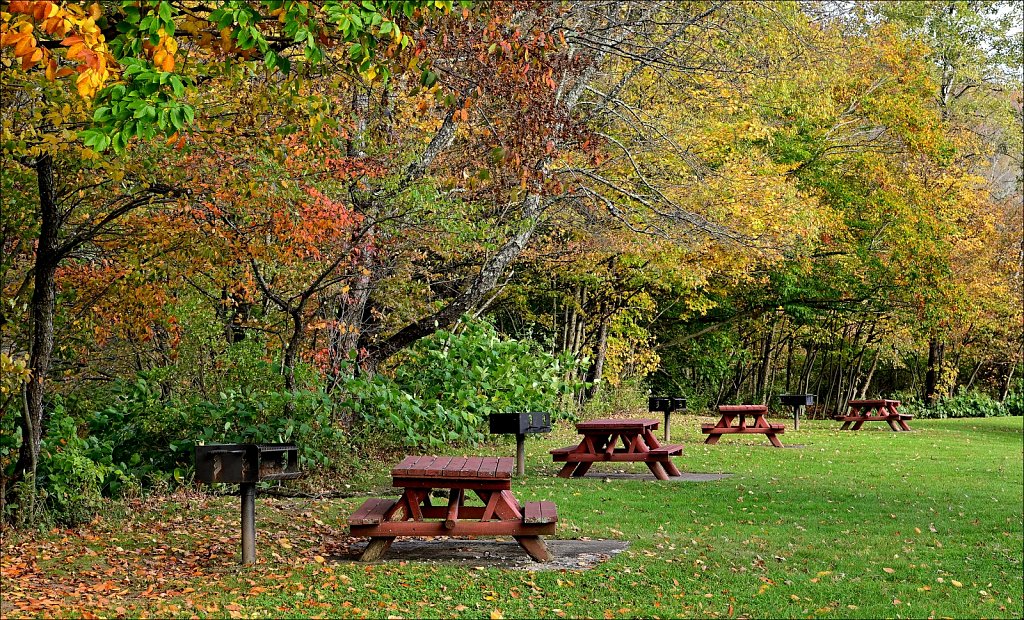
762,370
597,370
867,381
931,378
43,306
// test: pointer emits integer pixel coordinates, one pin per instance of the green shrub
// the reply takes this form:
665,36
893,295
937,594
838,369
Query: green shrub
73,472
153,437
972,404
445,386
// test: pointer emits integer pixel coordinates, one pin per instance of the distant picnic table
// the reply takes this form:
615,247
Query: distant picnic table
882,410
758,424
413,514
600,442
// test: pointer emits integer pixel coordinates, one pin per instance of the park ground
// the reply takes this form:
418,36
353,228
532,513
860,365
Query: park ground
842,524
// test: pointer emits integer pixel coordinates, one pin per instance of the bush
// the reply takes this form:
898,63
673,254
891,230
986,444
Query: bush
445,387
153,437
971,404
73,472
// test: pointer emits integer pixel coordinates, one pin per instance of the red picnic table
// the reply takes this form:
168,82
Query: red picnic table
601,438
882,410
759,425
489,478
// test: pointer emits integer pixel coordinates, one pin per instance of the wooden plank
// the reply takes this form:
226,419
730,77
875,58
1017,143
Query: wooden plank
505,466
433,482
437,468
667,450
742,408
540,512
455,468
617,457
736,430
419,467
565,450
505,527
472,466
406,463
550,511
372,511
487,467
612,424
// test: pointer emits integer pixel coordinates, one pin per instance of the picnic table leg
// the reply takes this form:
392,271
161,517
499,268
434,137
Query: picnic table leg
455,499
670,467
534,545
657,470
775,440
713,438
508,508
582,469
856,425
892,424
845,425
567,470
377,547
903,424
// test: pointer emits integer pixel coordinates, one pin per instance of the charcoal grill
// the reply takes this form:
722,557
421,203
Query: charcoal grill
520,424
796,401
245,464
667,405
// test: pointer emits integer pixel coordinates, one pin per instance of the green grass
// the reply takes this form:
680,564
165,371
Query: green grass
852,524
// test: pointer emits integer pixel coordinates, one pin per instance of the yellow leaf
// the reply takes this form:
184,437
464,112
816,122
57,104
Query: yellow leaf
889,570
956,583
319,559
497,615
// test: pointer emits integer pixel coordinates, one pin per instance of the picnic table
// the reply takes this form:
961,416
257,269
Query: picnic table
882,410
601,440
758,425
414,514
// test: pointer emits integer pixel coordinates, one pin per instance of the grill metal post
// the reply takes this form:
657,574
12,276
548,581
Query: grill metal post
520,454
666,405
248,523
797,402
520,424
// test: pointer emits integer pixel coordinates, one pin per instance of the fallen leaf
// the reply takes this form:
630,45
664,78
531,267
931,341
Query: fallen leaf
889,570
956,583
497,615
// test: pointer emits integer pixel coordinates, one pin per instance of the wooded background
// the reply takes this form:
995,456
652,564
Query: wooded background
361,223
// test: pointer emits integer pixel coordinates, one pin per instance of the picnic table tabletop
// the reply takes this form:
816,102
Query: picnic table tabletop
481,467
615,424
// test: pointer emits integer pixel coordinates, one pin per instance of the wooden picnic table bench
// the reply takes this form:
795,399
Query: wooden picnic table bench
881,410
759,425
413,514
601,440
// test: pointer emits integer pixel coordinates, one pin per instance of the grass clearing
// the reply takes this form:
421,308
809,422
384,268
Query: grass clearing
852,524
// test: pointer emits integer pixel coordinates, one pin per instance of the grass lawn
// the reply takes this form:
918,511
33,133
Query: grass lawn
850,524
